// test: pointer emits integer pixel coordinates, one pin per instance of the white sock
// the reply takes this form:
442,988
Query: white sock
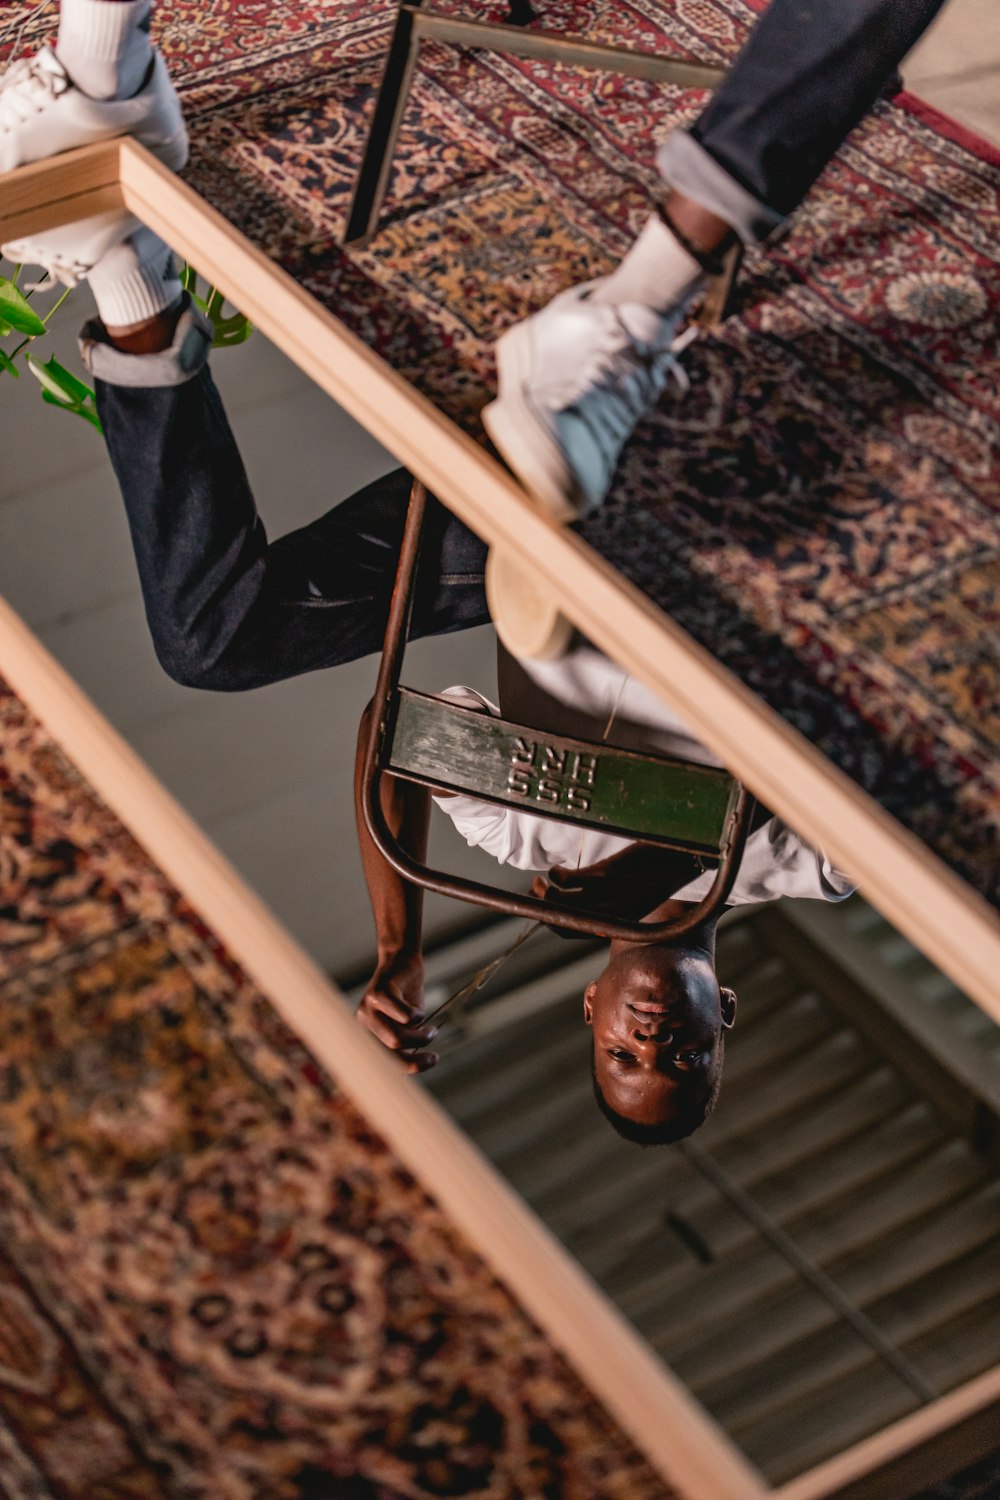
134,280
657,272
104,45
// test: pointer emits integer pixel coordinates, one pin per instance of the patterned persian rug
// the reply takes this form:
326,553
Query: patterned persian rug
216,1282
822,510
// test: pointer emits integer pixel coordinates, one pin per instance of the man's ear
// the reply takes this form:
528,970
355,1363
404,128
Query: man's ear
727,1004
588,1002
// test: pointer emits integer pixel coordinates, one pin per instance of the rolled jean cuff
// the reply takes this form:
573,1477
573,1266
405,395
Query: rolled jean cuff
688,168
177,365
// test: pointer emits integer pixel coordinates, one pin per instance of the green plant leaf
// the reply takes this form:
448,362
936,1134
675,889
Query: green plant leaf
231,331
84,411
6,363
16,310
64,388
5,328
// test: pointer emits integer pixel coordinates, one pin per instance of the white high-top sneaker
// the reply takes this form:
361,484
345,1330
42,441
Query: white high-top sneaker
42,113
70,252
573,382
130,269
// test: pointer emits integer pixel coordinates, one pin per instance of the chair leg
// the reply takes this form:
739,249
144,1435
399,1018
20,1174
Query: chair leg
390,106
520,12
721,294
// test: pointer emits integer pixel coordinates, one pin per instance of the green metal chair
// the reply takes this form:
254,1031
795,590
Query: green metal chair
696,809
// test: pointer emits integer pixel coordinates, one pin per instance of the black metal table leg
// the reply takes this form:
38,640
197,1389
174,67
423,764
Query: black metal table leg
721,294
513,37
376,164
520,12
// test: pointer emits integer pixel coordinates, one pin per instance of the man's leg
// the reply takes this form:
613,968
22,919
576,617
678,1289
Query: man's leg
227,609
575,379
807,75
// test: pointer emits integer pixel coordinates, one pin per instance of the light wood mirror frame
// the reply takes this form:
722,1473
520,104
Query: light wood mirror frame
912,887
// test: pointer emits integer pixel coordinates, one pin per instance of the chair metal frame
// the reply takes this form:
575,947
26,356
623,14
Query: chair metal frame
416,23
376,763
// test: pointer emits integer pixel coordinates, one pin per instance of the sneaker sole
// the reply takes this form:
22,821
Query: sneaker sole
32,253
524,442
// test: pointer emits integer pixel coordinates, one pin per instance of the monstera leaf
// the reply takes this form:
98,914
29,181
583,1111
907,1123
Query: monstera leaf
61,388
16,313
226,331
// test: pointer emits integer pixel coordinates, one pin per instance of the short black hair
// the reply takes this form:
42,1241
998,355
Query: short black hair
692,1114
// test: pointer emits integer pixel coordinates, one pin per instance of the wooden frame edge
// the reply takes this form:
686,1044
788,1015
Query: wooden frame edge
60,190
917,1451
910,885
681,1441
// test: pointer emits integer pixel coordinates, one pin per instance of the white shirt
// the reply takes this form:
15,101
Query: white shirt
776,861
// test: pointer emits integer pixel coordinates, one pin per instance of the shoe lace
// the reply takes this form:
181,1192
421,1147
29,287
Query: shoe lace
25,89
616,385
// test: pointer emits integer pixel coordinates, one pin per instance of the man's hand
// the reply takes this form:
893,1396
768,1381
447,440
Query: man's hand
632,883
392,1010
602,888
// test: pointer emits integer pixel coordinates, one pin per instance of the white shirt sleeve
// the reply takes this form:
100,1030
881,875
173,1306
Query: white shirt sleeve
777,862
524,840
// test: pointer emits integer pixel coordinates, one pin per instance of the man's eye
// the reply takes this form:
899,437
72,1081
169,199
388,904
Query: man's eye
688,1059
620,1055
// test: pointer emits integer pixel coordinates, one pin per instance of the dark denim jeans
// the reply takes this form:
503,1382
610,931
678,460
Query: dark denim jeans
227,608
810,71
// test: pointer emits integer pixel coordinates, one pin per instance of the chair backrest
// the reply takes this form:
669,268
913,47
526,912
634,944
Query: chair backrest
654,799
595,785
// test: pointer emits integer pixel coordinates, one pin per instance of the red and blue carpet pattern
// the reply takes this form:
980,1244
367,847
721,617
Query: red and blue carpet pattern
822,510
216,1281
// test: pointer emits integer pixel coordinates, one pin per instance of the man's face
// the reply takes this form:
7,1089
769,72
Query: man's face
658,1016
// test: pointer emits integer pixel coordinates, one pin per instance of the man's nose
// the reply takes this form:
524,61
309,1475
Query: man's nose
652,1029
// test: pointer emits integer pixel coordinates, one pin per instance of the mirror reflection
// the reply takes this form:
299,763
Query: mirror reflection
822,1256
519,787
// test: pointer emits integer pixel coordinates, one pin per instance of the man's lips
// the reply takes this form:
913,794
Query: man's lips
649,1010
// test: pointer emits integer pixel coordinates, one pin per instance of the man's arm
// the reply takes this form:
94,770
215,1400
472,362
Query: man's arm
632,884
392,1005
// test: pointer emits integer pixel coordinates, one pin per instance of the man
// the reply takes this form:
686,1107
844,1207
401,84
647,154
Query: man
228,610
657,1012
